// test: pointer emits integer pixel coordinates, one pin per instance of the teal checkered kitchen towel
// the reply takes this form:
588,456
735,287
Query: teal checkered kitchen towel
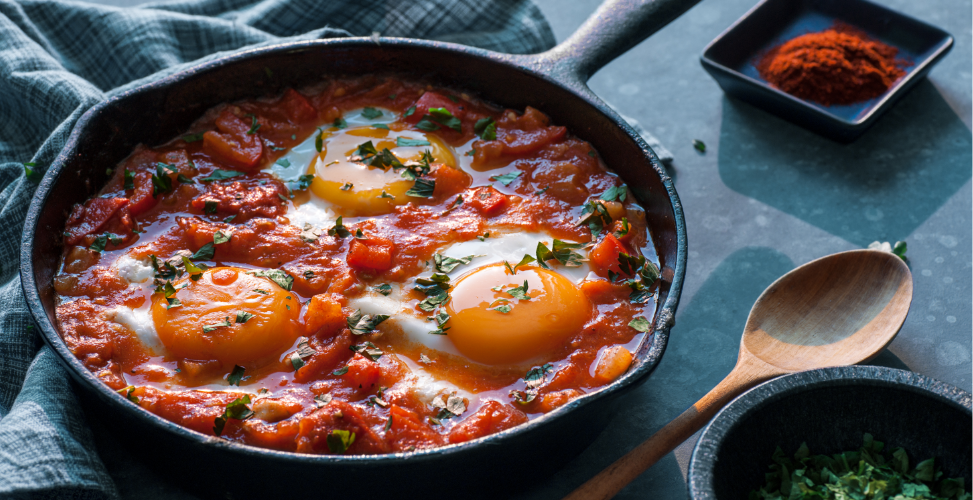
58,58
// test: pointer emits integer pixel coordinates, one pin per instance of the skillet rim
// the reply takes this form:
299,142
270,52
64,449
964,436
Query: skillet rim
538,66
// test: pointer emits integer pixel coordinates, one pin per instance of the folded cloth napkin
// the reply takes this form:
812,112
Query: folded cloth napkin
58,58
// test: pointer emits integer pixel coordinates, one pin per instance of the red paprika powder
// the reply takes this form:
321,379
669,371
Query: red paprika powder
840,65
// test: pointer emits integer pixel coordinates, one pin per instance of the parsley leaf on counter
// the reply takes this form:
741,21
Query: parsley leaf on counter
236,410
699,145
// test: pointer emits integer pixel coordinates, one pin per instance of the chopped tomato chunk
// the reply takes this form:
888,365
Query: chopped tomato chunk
324,315
141,199
91,217
338,415
245,199
371,253
492,417
231,142
326,359
489,201
433,100
362,372
407,431
604,255
297,107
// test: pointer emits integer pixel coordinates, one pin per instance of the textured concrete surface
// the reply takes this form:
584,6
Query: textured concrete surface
766,197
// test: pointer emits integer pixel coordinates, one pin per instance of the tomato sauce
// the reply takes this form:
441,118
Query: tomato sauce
210,196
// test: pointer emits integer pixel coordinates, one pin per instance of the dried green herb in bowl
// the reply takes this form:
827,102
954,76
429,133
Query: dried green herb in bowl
866,474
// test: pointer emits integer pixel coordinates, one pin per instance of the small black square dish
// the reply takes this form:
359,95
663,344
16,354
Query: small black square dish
733,56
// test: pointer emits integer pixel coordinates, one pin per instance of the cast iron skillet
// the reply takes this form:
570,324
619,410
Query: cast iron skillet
553,82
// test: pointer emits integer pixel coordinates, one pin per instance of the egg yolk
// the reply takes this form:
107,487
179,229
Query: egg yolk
227,315
364,190
483,332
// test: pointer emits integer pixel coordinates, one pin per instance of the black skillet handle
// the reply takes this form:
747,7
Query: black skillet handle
614,28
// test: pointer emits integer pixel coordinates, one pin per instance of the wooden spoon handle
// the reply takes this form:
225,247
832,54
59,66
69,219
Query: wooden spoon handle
748,372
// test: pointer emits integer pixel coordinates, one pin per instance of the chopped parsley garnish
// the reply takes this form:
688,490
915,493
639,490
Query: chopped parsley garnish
209,207
409,112
243,316
645,274
219,175
221,237
423,188
254,126
195,272
340,371
542,191
563,253
169,292
699,145
484,236
340,440
339,123
900,249
262,292
322,399
388,423
506,178
435,288
869,473
99,244
640,324
447,264
164,271
339,229
504,308
368,350
371,113
347,186
127,392
214,326
449,406
303,182
384,289
615,193
453,98
595,216
440,320
129,179
368,155
443,117
486,128
381,126
385,195
523,262
229,219
303,352
236,410
236,375
424,359
205,252
403,142
282,279
161,182
534,379
284,162
193,137
625,228
360,324
520,292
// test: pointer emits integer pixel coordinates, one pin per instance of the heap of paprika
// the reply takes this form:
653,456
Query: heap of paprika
840,65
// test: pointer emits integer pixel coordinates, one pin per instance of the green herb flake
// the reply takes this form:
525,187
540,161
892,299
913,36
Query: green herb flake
533,381
542,191
129,179
339,229
284,162
161,182
360,324
29,169
127,392
209,207
243,317
236,410
322,399
507,178
340,440
281,278
423,188
486,128
699,145
193,137
371,113
403,142
615,193
520,292
385,195
380,126
384,289
339,123
347,186
368,350
446,264
595,216
215,326
503,308
236,375
219,175
254,126
409,112
640,324
445,118
340,371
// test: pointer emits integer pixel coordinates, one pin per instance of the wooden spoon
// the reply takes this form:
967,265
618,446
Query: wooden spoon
838,310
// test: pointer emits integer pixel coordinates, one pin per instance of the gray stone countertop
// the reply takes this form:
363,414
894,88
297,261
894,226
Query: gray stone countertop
766,197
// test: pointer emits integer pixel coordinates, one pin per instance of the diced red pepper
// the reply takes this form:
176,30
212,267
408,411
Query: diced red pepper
489,201
231,142
141,199
434,100
371,253
91,217
604,256
362,373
